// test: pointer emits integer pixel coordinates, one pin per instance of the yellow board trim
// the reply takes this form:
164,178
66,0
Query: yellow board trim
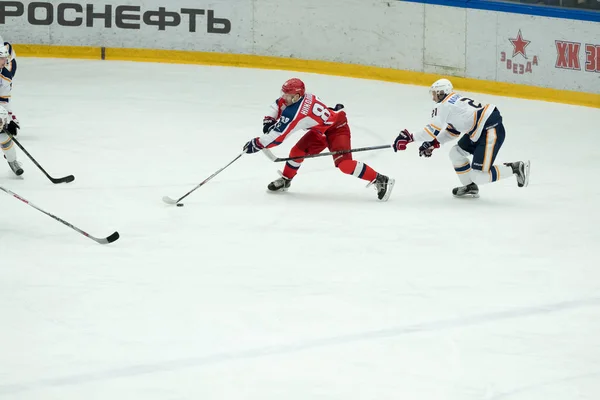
36,50
314,66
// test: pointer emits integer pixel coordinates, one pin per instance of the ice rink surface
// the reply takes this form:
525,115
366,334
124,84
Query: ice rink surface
322,292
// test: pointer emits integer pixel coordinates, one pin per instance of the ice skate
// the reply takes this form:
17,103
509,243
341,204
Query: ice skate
471,190
384,186
280,185
16,167
521,170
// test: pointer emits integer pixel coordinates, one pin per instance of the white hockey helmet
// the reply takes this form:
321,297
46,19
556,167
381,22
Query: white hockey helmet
3,117
4,51
441,88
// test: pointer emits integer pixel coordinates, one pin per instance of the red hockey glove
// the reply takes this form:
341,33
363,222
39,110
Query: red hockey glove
404,138
426,149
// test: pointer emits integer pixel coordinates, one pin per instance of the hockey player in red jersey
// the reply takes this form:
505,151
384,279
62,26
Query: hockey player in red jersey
327,128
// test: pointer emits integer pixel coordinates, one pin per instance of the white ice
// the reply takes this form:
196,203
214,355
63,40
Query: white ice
319,293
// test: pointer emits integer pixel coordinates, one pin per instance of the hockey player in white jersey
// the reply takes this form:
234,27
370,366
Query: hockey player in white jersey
483,135
6,143
8,69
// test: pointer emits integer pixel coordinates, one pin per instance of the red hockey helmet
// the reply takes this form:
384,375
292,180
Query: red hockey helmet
293,86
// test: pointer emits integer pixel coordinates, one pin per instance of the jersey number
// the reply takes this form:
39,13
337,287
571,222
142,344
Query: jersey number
471,102
320,111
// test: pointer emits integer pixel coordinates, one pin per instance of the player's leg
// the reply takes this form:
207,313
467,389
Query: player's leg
459,155
312,142
484,171
339,139
6,143
490,172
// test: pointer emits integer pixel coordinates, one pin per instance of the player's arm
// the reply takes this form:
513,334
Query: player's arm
428,134
447,135
433,135
436,125
290,121
7,74
11,64
13,125
275,111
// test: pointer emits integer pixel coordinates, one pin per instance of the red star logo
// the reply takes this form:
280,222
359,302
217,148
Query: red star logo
519,45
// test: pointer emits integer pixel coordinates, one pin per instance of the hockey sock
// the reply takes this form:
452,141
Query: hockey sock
358,169
6,144
291,168
495,173
461,164
464,173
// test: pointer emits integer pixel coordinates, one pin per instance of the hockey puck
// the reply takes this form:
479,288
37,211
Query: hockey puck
179,204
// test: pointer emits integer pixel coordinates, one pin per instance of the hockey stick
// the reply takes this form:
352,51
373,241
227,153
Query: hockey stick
64,179
269,154
169,200
106,240
333,153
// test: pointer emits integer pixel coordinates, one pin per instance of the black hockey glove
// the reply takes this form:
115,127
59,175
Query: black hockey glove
252,146
268,124
426,149
12,128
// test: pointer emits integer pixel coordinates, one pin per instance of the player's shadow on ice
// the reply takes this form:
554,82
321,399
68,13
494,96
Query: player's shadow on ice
403,198
323,197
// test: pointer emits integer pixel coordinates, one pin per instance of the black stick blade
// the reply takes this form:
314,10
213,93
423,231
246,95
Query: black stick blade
66,179
106,240
113,237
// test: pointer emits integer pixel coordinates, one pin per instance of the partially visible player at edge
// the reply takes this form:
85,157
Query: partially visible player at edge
327,128
8,70
6,143
483,135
